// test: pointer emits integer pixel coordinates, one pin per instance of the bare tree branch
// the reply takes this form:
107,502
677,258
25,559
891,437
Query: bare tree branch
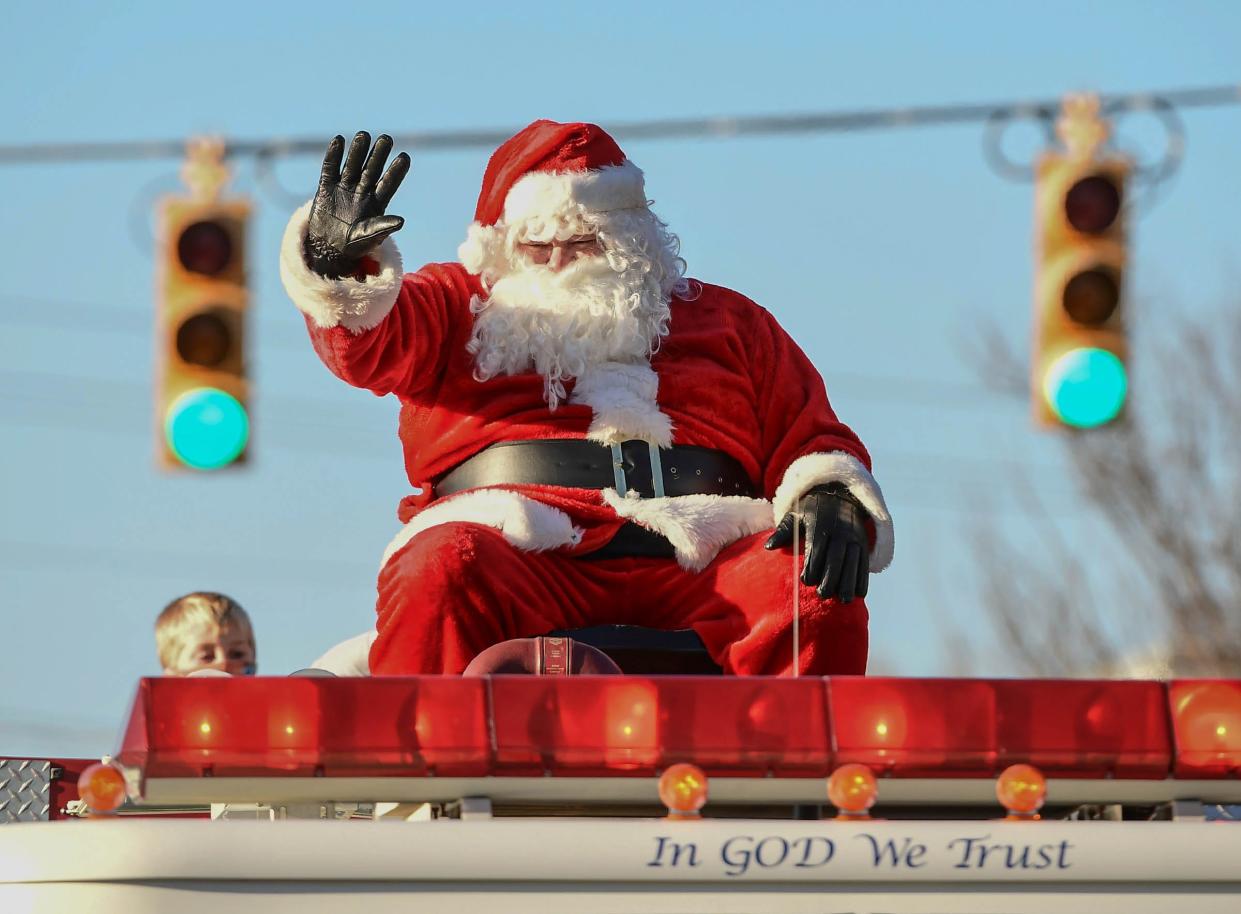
1163,488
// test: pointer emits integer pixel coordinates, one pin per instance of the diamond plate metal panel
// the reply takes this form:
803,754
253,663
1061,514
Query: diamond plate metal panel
25,790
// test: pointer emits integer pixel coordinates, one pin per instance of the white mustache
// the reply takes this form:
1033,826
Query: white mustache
562,322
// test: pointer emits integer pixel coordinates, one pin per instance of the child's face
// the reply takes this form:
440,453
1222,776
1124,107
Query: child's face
208,646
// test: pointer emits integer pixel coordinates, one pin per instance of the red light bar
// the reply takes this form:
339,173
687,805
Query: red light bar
747,725
435,723
258,726
967,727
1083,728
627,724
1206,723
912,727
577,724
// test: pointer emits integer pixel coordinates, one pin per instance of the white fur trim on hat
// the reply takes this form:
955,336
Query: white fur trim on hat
622,395
527,524
812,470
357,306
698,526
543,203
543,195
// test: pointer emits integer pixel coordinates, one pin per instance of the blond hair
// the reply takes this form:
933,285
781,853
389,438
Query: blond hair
186,611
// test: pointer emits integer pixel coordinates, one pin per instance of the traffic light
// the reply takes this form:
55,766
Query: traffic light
201,391
1079,364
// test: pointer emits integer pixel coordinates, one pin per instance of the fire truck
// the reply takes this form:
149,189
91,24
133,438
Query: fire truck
640,793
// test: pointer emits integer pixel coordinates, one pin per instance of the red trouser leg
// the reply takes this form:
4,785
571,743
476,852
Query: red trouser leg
741,605
457,589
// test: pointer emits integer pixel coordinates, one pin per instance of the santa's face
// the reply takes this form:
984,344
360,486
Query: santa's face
563,299
557,254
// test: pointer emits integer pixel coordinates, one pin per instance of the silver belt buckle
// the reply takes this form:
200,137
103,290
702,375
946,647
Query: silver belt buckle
657,470
618,470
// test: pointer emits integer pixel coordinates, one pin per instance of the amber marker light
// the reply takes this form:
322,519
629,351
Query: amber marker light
853,791
683,789
102,788
1021,790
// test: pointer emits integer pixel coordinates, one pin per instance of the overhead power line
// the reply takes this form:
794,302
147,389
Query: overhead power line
657,129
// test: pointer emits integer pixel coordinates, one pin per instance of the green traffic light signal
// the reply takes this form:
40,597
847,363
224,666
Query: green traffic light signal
1086,387
206,428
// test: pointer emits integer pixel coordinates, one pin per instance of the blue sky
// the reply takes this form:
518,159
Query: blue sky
878,251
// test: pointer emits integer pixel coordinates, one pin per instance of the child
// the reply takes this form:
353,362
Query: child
205,631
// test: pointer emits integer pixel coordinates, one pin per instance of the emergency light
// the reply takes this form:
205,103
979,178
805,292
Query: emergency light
622,726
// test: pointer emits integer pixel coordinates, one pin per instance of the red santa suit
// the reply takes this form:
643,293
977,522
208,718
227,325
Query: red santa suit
507,561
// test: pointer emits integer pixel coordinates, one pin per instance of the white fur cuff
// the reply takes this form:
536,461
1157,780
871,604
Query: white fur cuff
349,658
357,306
812,470
698,526
527,524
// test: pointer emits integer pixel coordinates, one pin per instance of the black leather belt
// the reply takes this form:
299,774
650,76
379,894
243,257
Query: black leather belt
630,466
634,542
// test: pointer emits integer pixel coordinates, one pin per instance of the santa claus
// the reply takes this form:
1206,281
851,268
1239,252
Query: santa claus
596,437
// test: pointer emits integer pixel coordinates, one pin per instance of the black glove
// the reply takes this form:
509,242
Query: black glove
347,217
836,545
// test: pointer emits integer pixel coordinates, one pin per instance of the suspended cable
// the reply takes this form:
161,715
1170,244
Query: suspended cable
655,129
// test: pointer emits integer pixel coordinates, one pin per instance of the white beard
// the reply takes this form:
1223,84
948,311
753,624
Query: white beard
597,310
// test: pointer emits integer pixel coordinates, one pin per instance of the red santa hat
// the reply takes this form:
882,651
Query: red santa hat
546,174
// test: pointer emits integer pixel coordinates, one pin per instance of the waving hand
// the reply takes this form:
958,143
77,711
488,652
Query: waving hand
347,216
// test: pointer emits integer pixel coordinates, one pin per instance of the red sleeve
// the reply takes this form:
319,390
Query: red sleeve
797,418
380,329
804,444
407,350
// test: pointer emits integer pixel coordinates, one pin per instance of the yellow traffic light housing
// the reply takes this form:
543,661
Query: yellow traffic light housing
1079,365
201,389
